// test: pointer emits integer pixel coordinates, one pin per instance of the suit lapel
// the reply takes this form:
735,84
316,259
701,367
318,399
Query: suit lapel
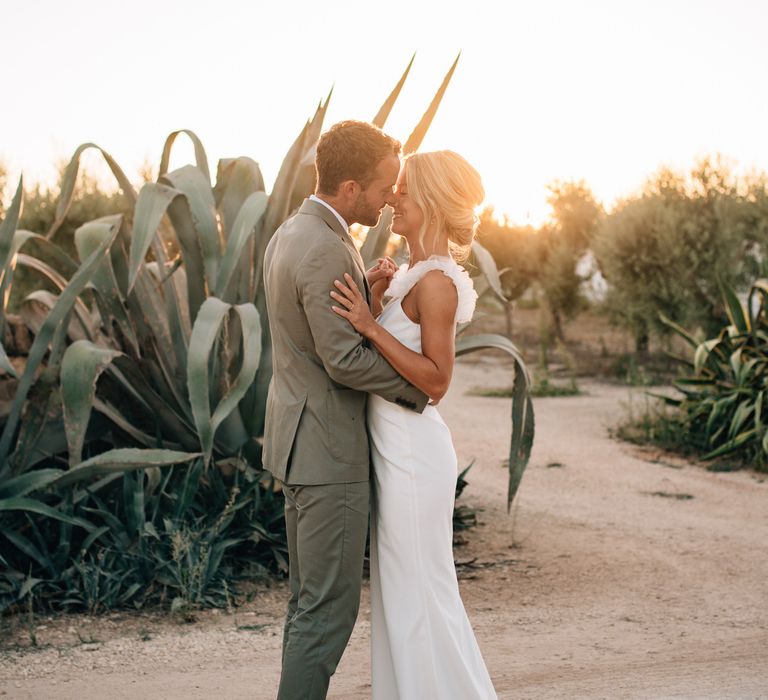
316,209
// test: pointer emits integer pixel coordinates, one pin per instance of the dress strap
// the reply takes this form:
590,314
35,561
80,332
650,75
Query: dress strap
405,278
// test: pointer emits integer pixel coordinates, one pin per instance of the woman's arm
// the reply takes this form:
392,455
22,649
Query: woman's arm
436,300
343,352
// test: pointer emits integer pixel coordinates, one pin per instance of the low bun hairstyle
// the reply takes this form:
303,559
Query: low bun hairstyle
448,190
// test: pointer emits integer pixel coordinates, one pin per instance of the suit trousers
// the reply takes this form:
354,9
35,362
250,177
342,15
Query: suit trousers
326,527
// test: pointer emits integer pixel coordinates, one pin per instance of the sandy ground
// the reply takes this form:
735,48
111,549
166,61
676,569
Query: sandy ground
620,573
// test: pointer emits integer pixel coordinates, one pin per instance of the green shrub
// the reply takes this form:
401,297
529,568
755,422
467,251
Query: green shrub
666,250
723,410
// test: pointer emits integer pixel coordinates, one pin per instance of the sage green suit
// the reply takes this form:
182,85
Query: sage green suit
315,439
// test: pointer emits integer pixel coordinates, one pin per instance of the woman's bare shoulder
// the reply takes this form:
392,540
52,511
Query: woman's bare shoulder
435,287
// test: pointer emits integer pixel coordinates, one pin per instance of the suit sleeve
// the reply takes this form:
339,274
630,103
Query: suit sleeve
341,348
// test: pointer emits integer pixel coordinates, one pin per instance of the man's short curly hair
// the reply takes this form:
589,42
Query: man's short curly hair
351,150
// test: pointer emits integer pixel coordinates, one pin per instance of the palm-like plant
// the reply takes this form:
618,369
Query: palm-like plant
724,408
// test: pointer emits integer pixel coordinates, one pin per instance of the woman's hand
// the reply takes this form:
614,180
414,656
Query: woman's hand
354,307
380,275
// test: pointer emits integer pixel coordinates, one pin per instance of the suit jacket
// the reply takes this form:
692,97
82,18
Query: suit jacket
315,431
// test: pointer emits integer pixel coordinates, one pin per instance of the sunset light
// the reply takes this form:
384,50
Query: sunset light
383,351
604,91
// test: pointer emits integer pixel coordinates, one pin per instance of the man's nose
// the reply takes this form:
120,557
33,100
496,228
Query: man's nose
391,199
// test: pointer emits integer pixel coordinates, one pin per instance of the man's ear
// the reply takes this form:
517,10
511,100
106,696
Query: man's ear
349,189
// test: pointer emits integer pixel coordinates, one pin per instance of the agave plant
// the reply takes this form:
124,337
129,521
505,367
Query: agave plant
724,408
155,352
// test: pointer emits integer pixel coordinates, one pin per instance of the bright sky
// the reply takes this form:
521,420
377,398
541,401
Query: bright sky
605,91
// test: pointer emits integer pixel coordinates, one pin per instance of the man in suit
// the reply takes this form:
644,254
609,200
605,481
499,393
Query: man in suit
315,438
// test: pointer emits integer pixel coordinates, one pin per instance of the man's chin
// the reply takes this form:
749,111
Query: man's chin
372,221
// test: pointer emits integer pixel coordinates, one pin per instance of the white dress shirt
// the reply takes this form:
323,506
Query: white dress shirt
335,213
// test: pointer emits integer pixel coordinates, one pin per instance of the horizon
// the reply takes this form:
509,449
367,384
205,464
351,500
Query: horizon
602,93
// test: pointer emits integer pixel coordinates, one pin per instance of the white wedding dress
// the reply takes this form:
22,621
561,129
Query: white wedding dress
422,644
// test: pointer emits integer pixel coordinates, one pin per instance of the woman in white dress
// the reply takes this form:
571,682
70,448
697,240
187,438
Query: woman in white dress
422,644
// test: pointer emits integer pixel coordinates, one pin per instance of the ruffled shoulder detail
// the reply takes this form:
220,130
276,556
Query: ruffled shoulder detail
404,279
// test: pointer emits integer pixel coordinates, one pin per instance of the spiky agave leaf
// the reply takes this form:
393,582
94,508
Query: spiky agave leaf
381,116
306,177
684,334
522,405
418,134
280,197
108,296
192,183
201,159
32,505
154,199
21,485
81,311
732,445
7,250
172,331
244,227
736,313
5,363
36,306
204,334
488,268
236,180
171,419
81,366
60,311
755,309
165,358
723,404
39,246
41,431
70,179
377,237
7,231
10,224
121,461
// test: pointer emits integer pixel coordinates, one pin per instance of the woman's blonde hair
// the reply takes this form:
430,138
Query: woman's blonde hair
448,190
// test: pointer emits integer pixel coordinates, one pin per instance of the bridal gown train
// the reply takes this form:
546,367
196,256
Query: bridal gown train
422,644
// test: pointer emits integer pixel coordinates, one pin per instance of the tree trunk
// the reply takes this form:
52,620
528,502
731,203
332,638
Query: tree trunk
509,309
557,325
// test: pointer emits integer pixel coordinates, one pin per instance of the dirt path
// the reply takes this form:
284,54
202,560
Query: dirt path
595,586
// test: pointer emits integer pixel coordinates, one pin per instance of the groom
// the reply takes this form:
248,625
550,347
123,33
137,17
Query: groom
315,439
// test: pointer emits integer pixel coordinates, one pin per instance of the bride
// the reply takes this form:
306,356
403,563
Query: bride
422,642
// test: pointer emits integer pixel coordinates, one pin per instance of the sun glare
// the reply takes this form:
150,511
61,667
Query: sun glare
545,91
